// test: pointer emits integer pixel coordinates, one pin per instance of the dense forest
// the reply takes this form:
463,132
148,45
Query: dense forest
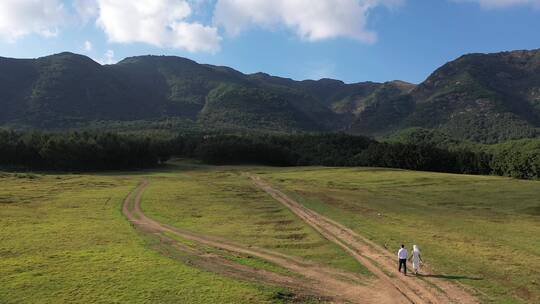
78,151
108,151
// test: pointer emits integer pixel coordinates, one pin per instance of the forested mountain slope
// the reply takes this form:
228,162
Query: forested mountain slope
478,97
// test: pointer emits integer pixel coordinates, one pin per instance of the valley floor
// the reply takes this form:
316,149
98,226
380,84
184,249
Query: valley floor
192,233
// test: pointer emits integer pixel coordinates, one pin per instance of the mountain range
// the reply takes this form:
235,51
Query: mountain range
478,97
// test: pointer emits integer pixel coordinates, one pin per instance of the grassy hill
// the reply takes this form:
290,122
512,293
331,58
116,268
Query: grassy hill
479,97
64,238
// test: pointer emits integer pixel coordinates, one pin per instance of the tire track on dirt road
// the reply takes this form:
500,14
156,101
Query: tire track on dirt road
378,260
328,283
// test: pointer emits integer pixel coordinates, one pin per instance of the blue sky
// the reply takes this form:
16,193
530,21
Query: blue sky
351,40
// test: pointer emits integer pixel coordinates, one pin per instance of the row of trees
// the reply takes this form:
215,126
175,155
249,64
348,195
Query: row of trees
107,151
336,150
79,151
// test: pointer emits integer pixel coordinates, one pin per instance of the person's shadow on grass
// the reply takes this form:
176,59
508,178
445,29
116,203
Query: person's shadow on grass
450,277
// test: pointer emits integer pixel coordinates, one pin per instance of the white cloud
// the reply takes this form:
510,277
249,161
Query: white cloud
311,20
170,23
88,46
23,17
109,57
162,23
504,3
87,9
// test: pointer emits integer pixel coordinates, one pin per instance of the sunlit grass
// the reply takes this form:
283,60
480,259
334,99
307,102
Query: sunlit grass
63,239
224,202
484,231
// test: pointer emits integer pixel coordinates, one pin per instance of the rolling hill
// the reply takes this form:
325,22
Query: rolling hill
478,97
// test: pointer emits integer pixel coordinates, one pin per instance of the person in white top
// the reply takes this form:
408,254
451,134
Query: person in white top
416,259
403,254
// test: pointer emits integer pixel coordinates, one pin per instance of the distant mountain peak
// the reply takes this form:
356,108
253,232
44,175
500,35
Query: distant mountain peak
69,57
157,58
403,85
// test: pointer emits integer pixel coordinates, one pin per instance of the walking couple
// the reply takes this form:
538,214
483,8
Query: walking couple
403,255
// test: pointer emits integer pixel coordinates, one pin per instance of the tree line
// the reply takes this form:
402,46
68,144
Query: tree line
110,151
78,151
339,150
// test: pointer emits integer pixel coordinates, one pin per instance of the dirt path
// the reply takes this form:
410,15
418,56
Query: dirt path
378,260
325,282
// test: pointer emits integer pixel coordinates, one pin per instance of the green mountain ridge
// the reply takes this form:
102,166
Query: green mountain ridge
477,97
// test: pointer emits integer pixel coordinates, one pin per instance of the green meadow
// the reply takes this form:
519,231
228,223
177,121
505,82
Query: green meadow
224,202
63,237
480,231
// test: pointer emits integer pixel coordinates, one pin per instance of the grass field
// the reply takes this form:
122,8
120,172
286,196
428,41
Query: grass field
224,202
480,231
63,237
